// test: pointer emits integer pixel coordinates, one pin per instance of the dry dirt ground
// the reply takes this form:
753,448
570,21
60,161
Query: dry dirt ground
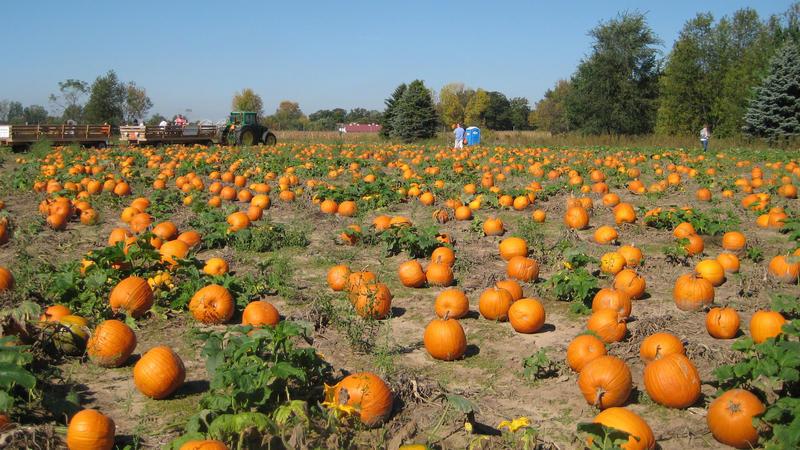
490,375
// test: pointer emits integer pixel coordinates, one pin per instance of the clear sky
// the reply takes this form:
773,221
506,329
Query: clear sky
322,54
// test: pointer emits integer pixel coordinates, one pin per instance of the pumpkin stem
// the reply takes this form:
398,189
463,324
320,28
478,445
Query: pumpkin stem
599,397
446,315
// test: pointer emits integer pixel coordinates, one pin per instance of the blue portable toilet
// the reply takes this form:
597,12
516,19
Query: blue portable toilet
473,135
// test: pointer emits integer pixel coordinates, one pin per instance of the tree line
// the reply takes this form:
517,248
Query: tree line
736,74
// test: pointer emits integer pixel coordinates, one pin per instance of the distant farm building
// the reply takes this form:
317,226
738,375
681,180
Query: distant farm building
359,128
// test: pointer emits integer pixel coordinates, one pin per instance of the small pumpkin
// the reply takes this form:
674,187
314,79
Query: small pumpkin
444,339
633,255
212,304
411,274
612,299
373,300
207,444
608,324
583,349
260,313
605,235
439,274
452,302
337,277
730,418
159,372
659,345
522,268
111,344
672,381
576,217
733,241
215,266
493,227
444,255
722,323
512,287
494,304
711,270
368,394
729,262
526,315
90,429
605,382
612,263
765,325
629,282
6,279
513,246
692,293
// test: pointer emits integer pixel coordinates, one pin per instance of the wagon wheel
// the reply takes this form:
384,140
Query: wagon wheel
269,139
247,137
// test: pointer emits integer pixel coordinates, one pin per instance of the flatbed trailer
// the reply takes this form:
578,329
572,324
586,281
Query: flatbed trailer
21,137
170,134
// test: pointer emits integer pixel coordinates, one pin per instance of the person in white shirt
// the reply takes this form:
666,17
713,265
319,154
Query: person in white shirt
163,123
704,135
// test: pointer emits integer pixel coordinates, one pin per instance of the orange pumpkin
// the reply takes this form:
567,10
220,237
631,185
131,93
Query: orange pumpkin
618,418
711,270
337,277
659,345
672,381
576,218
605,382
612,299
111,344
368,394
785,268
583,349
451,302
411,274
373,300
526,315
159,372
212,304
513,246
259,313
90,429
132,296
494,304
722,323
765,325
692,293
629,282
444,339
730,418
608,324
523,268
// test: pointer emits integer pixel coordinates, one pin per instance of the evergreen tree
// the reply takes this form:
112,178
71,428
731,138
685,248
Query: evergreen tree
387,123
774,112
498,112
414,115
615,89
106,101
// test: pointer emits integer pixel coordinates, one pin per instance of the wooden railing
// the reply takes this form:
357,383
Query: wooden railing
24,133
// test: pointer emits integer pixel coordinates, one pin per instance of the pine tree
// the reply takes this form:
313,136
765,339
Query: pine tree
774,112
414,115
388,114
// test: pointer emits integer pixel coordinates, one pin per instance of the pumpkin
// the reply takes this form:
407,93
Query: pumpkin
118,235
765,325
159,372
337,277
683,230
612,299
605,235
659,345
132,296
629,282
494,304
539,216
452,302
444,339
215,266
212,304
526,315
140,222
373,300
672,381
111,344
622,419
90,429
612,263
583,349
347,208
608,324
172,251
722,323
711,270
785,268
357,279
576,217
493,227
730,418
411,274
463,213
191,238
512,287
238,221
605,382
729,262
439,274
69,335
694,246
6,279
54,313
522,268
624,213
166,231
207,444
692,293
368,394
513,246
733,241
259,313
444,255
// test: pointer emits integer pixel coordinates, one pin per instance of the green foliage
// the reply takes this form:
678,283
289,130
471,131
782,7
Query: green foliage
106,101
16,381
575,283
368,196
414,116
267,237
615,89
549,114
754,254
417,242
771,370
791,228
786,304
676,253
387,122
539,366
774,112
603,437
703,223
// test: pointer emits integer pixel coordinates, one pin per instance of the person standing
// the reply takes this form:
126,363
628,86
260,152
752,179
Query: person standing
459,135
704,135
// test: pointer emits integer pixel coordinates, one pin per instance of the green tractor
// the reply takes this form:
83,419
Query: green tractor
243,129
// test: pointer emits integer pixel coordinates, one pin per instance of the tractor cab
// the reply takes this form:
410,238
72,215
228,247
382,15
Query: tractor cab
241,118
243,129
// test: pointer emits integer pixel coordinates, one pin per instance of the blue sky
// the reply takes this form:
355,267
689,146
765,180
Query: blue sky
322,54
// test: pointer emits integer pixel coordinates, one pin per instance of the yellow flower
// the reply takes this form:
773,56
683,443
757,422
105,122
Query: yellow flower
468,426
568,265
341,411
516,424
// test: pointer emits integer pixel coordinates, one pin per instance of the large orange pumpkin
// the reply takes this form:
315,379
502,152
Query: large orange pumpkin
444,339
159,372
576,217
212,304
373,300
259,313
132,296
608,324
583,349
494,304
711,270
605,382
368,394
672,381
692,293
618,418
659,345
785,268
722,323
337,277
526,315
172,251
765,325
629,282
411,274
452,302
513,246
522,268
613,299
730,418
90,429
111,344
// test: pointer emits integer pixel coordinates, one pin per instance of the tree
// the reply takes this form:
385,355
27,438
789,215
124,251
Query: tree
107,100
518,113
137,103
498,112
69,100
247,100
476,108
452,103
35,114
387,123
615,89
414,115
154,120
549,114
288,116
774,112
16,113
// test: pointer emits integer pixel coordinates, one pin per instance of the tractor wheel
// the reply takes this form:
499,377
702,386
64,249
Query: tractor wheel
269,139
247,137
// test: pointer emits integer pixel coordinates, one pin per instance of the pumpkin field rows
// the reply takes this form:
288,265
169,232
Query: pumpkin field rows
348,295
